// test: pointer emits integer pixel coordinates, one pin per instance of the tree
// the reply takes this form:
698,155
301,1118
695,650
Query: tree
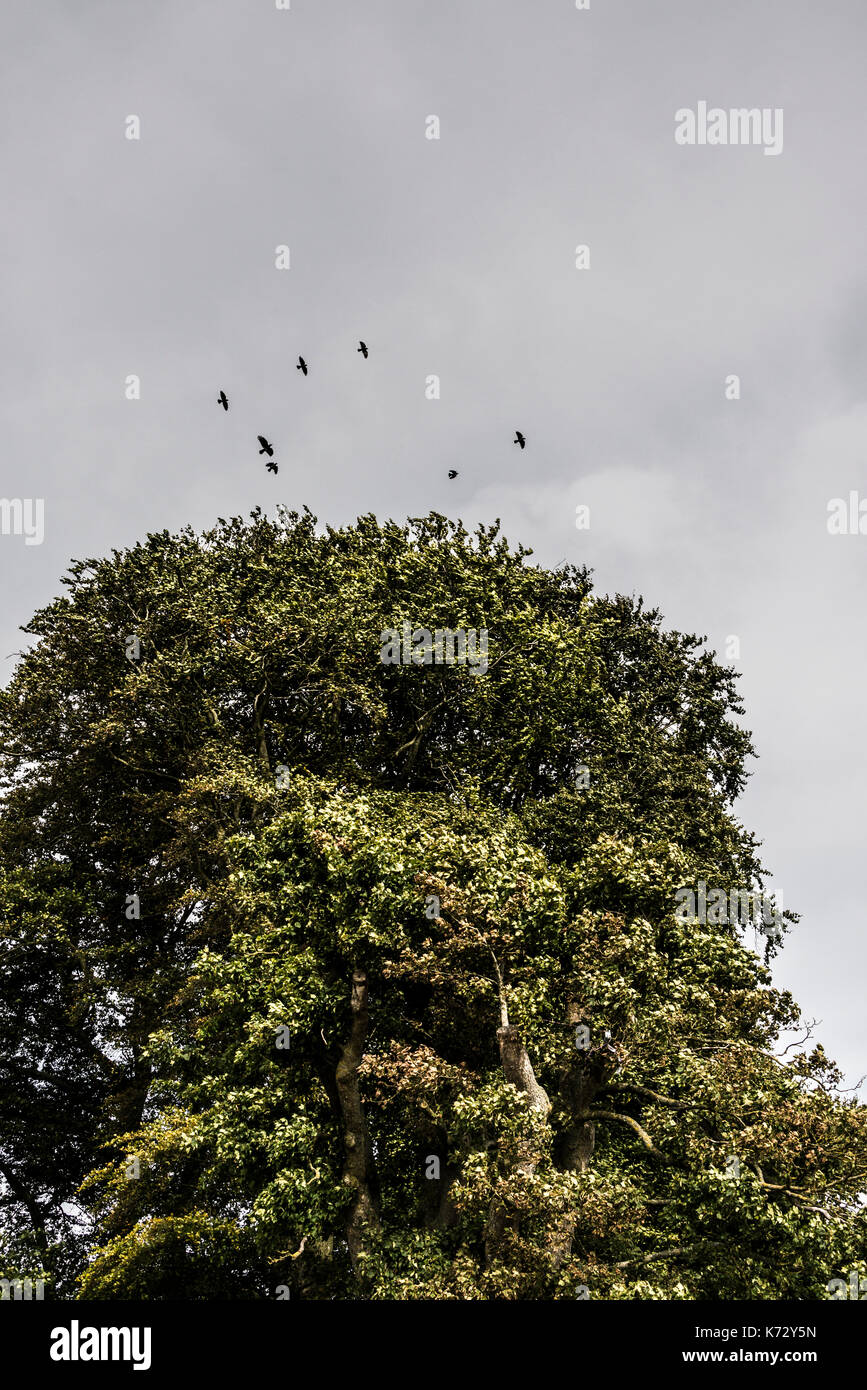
380,906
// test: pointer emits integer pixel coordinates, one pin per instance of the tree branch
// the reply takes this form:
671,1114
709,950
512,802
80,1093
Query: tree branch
633,1124
652,1095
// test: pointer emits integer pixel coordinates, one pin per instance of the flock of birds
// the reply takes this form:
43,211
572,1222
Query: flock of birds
301,366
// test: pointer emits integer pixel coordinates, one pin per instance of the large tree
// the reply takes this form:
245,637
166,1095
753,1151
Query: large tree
367,980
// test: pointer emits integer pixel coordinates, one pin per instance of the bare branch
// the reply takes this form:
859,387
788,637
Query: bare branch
633,1124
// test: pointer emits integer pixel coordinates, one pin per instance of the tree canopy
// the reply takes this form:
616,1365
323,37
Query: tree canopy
324,977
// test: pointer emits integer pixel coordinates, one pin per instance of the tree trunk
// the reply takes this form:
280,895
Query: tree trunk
260,704
518,1069
358,1166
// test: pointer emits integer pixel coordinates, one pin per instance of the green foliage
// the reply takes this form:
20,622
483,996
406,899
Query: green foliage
310,1063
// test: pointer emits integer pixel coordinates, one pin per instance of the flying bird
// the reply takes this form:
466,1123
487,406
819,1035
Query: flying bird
453,472
362,348
271,466
223,400
266,447
519,439
301,366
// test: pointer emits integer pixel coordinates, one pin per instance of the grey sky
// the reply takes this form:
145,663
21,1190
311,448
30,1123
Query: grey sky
457,257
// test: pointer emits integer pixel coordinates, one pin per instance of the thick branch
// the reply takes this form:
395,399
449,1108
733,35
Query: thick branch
633,1124
518,1068
651,1095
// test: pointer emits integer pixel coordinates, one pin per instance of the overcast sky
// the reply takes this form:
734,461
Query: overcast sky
457,257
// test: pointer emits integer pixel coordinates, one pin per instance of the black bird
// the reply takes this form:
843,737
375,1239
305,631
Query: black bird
519,439
301,366
272,467
453,472
223,400
266,447
362,348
